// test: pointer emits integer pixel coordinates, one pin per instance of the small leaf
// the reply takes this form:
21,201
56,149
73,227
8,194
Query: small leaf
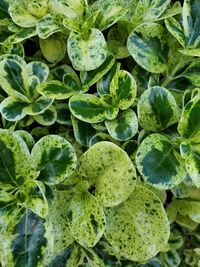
22,35
157,109
123,89
38,69
48,117
124,127
132,227
83,131
110,170
158,162
56,90
12,109
86,218
38,106
27,137
87,108
87,54
147,46
55,158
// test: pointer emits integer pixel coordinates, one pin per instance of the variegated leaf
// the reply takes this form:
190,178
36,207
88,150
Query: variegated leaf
159,163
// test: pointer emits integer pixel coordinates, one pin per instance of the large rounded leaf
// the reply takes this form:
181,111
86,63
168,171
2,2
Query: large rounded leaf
87,54
55,158
159,163
157,109
86,218
147,46
111,172
138,228
87,108
12,109
15,161
124,127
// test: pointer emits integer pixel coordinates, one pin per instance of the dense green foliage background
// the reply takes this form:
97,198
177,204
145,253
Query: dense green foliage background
99,133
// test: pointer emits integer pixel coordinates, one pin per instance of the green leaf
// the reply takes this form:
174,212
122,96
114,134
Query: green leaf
101,137
49,24
89,78
12,109
63,114
86,218
29,242
147,45
14,171
110,170
157,109
123,89
158,162
138,228
175,29
87,54
14,79
22,35
38,69
56,90
27,137
189,124
87,108
55,158
124,127
27,13
53,48
103,85
188,208
48,117
38,106
83,131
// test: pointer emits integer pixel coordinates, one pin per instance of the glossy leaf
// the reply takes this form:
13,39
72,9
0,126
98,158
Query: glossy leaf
53,153
87,54
86,218
147,46
159,163
38,106
123,89
109,169
12,109
48,117
87,108
157,109
132,227
124,127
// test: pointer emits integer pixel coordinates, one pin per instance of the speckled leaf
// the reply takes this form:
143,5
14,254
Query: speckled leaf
83,131
27,137
56,90
87,108
39,69
86,218
175,29
109,169
38,106
188,208
12,109
27,13
14,79
55,158
124,127
157,109
147,46
59,72
158,162
48,117
189,124
138,228
53,48
15,161
123,89
87,54
89,78
49,24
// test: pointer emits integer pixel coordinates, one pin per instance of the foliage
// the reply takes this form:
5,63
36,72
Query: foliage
99,133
